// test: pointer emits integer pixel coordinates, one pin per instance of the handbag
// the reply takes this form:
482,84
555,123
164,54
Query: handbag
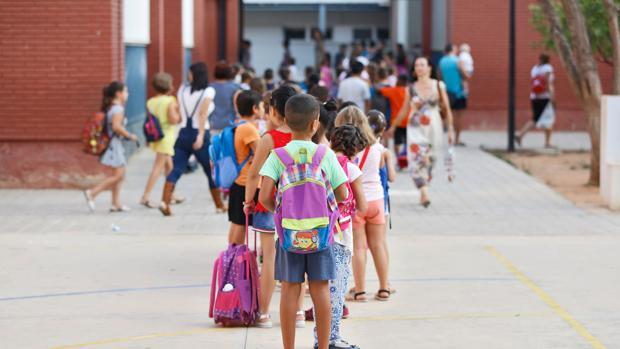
442,103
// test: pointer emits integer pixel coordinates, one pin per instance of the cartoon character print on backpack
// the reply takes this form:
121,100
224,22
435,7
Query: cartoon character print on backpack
306,240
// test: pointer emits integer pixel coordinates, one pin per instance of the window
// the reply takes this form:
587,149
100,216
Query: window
383,34
362,34
327,35
294,33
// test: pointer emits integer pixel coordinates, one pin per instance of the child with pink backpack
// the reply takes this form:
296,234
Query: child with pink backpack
310,182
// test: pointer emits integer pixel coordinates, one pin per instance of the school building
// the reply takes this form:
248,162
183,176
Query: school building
56,56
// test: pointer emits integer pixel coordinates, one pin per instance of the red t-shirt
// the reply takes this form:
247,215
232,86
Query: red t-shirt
280,139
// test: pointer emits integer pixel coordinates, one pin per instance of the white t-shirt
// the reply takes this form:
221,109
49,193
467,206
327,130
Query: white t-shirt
371,181
354,89
542,69
353,173
468,62
189,100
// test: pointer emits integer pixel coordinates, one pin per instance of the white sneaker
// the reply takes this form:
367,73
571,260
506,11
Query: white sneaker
264,321
300,320
89,200
123,208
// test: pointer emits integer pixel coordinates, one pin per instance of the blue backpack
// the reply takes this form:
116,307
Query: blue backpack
224,157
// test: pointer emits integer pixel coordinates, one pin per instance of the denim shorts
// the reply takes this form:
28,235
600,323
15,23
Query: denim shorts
263,222
292,267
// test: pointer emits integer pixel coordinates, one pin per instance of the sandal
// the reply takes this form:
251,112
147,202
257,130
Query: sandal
357,297
300,319
177,200
122,208
379,297
147,204
264,321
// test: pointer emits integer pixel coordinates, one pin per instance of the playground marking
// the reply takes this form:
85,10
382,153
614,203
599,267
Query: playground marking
545,297
356,319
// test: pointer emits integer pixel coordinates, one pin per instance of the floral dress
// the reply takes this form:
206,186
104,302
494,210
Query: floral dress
424,135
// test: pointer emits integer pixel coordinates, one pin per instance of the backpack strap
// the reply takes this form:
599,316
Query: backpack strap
188,115
319,154
284,157
364,157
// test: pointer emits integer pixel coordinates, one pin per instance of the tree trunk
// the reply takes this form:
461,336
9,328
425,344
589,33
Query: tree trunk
614,29
592,109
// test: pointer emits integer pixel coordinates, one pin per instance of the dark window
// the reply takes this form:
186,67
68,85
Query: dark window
383,34
327,35
294,33
362,34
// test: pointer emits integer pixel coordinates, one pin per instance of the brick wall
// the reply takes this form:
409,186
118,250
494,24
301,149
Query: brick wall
484,25
56,56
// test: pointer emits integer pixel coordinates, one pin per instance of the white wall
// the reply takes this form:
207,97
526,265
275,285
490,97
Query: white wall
136,23
187,16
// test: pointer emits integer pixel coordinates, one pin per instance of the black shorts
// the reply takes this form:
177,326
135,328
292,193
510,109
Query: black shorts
538,107
400,135
457,103
236,197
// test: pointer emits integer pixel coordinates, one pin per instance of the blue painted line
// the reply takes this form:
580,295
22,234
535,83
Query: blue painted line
176,287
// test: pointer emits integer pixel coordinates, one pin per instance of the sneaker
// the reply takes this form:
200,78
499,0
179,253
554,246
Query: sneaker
310,314
342,344
300,320
345,312
264,321
89,201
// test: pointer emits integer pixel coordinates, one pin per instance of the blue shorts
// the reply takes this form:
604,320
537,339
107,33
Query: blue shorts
292,267
263,222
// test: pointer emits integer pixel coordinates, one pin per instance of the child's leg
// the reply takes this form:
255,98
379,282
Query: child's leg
158,166
106,184
267,281
376,243
119,175
288,309
319,291
360,245
236,234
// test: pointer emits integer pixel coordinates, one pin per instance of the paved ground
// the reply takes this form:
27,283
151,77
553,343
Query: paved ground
498,261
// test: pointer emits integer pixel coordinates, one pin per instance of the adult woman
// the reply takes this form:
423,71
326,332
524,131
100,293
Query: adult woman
425,129
114,98
165,108
196,104
225,88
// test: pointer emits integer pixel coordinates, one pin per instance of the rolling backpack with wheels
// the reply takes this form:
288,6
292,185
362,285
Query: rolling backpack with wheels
234,285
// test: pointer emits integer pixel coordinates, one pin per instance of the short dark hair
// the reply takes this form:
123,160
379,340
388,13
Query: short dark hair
357,67
258,85
246,75
268,74
320,92
309,70
544,58
402,80
162,82
449,47
300,111
382,73
246,101
280,96
285,73
223,71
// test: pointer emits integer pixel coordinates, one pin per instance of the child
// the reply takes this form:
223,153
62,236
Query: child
368,227
246,140
326,119
114,98
263,219
302,117
165,108
346,142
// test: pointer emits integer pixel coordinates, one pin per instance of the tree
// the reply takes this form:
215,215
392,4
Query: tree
583,33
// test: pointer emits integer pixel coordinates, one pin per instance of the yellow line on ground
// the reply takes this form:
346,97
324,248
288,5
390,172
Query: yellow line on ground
147,336
545,297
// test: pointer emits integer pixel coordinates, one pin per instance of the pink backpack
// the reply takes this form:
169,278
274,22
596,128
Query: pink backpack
346,207
234,285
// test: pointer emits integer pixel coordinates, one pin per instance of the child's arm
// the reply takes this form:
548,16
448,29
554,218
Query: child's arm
360,199
341,193
262,152
391,170
264,196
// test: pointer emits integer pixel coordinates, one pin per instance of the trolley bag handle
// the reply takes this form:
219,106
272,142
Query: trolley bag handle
247,233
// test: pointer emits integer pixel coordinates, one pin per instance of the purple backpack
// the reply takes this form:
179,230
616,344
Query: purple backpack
234,286
306,209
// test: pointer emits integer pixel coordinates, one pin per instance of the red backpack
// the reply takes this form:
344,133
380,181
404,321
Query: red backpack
95,138
539,84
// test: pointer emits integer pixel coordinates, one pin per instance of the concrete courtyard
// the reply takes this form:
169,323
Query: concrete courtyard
498,261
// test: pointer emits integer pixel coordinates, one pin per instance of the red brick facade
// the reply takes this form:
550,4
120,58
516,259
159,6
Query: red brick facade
483,24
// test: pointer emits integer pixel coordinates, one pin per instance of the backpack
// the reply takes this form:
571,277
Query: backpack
306,210
95,137
152,128
224,157
539,84
346,207
379,102
234,286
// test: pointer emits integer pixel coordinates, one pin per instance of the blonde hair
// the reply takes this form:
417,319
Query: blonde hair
353,115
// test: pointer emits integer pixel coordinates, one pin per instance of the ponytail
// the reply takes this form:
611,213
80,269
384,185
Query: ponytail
109,93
